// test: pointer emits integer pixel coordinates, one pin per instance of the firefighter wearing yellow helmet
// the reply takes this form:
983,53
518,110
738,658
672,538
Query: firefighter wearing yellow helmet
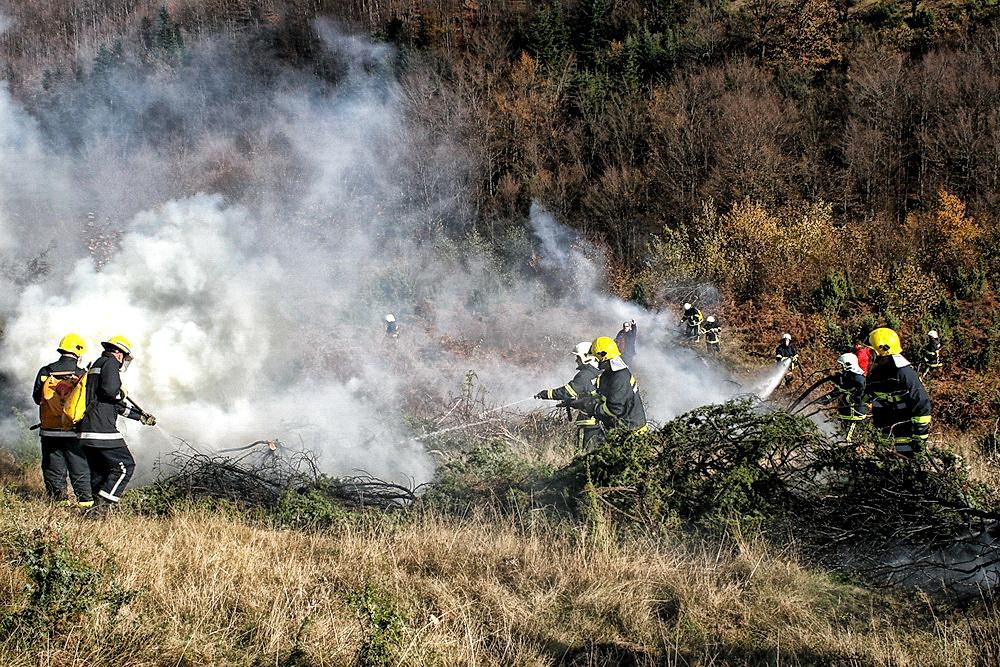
619,404
900,404
62,455
111,463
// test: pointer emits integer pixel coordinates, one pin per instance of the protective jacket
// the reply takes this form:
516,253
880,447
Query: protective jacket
864,355
579,391
932,353
618,400
851,392
625,340
692,316
712,331
783,352
66,366
105,401
900,402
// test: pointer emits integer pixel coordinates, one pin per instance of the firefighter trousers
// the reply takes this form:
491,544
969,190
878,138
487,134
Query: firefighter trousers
62,457
110,471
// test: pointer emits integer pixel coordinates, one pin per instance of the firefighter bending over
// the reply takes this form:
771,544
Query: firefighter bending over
712,333
619,404
852,407
901,406
691,319
578,394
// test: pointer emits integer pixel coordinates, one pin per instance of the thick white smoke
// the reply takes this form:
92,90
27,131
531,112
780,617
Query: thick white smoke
250,254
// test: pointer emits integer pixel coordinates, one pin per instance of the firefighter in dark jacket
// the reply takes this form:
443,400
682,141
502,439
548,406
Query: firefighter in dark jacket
62,455
619,404
626,341
712,335
901,406
578,394
932,350
691,319
786,351
849,392
111,463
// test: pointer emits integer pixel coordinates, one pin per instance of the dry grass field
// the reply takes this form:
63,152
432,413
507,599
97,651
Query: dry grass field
212,588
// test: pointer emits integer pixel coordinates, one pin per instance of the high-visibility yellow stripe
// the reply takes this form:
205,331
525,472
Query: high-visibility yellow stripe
569,390
923,419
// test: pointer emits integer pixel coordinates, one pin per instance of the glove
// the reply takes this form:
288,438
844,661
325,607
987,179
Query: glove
543,395
148,420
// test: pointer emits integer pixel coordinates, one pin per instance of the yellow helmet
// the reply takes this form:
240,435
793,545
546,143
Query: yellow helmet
72,343
605,348
119,343
885,342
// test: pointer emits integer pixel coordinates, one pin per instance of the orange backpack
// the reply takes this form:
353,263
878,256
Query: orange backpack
64,400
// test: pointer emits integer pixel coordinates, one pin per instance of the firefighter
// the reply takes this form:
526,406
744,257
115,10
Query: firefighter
901,406
391,327
578,394
787,352
712,331
852,407
864,355
932,350
626,341
111,463
691,319
62,455
619,404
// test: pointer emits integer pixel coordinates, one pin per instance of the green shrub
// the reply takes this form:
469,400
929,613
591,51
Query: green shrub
383,624
62,587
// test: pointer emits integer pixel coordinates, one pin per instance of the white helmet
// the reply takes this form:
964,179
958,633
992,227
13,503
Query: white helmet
786,336
711,318
932,333
390,318
687,306
582,353
849,362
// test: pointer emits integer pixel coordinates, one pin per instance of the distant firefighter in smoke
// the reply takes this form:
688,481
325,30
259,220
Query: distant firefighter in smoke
901,406
391,327
578,394
111,462
57,393
626,341
691,319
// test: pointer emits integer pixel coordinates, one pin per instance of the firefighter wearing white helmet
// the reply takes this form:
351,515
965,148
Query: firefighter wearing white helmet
691,319
111,463
712,335
787,352
578,394
391,327
932,350
62,455
852,407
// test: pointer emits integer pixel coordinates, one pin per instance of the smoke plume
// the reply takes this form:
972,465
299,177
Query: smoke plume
247,225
